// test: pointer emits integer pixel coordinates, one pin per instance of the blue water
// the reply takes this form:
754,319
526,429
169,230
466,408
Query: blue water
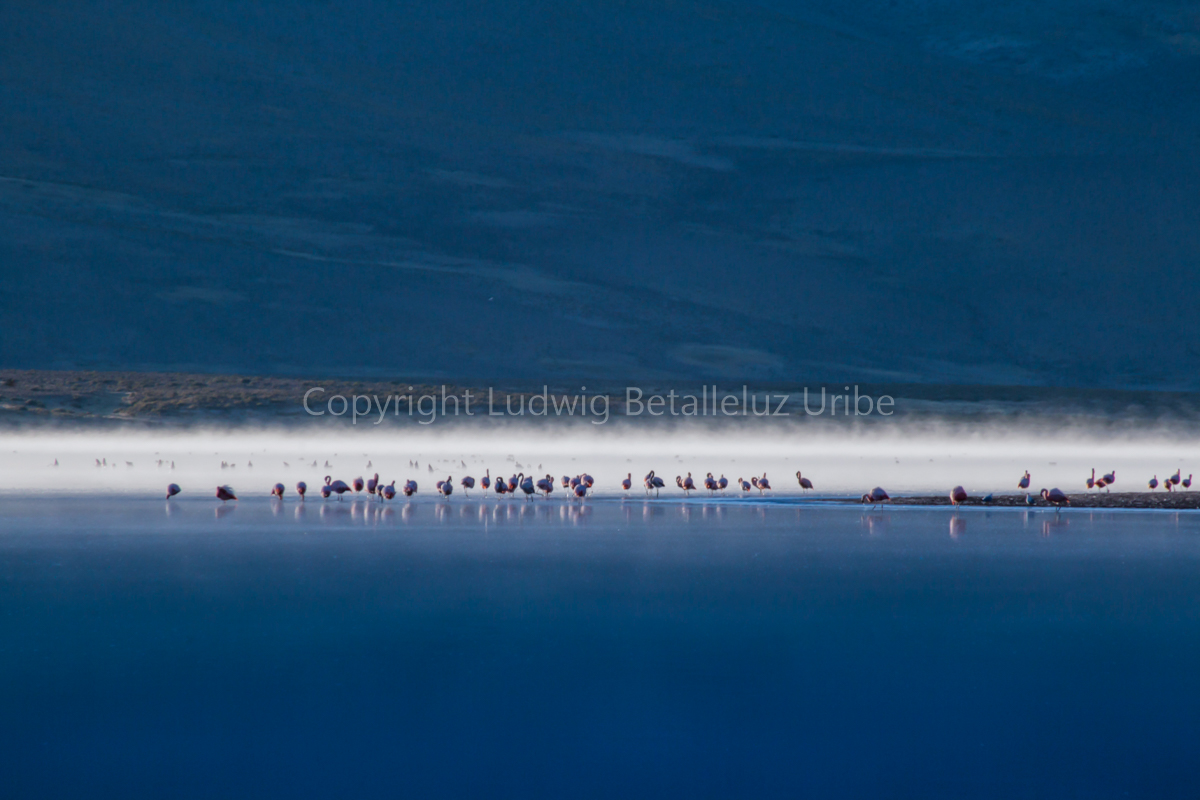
623,649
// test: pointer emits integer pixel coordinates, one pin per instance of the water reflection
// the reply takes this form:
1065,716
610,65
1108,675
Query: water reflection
958,526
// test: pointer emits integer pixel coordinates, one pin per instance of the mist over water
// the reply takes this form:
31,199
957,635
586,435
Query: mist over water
918,456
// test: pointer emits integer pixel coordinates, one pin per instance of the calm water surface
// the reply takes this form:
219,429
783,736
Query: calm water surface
622,649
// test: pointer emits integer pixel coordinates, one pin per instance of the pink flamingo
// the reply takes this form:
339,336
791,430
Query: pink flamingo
710,483
1024,482
722,483
1110,478
1175,478
805,483
876,496
958,496
1055,497
546,486
1092,480
447,486
358,484
225,493
388,492
467,483
332,486
679,483
486,480
581,490
301,488
763,483
746,485
278,491
654,482
373,484
1153,484
410,488
1187,482
501,487
628,482
525,482
172,490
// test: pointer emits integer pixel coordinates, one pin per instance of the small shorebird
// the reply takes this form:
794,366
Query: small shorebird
225,493
957,495
172,490
1055,497
804,482
1024,482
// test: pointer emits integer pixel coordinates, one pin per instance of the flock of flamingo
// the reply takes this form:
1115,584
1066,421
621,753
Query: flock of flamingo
580,486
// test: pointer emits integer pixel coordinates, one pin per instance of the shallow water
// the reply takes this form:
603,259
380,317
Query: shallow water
618,648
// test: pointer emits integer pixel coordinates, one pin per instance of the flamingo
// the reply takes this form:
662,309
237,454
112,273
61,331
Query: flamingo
358,484
581,490
501,487
1153,483
1055,497
1092,480
763,483
301,488
876,496
486,480
1024,482
1175,478
1187,482
957,495
566,482
372,483
1110,478
1167,484
447,486
654,482
1100,484
804,482
512,484
526,484
467,483
546,486
679,483
588,480
722,483
710,483
410,488
225,493
172,490
334,486
745,485
388,492
278,491
628,482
